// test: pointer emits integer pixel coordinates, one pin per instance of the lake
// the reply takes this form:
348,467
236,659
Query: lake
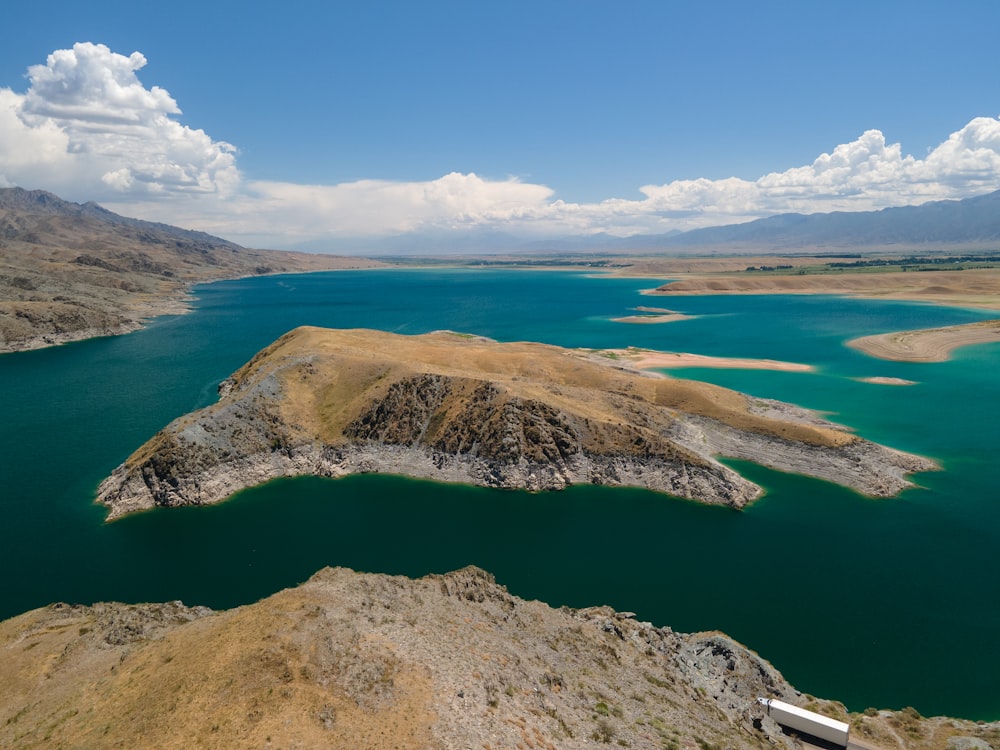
881,603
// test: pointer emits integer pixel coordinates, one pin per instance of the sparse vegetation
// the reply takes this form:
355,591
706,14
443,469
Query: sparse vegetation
604,732
246,677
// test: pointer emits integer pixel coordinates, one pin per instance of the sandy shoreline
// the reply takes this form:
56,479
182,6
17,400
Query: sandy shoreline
929,344
646,359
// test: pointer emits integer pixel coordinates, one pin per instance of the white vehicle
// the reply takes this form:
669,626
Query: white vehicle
810,722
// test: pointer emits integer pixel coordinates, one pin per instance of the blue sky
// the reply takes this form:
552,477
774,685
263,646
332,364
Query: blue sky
321,124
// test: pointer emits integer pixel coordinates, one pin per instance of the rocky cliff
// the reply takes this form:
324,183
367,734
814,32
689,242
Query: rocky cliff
459,408
349,660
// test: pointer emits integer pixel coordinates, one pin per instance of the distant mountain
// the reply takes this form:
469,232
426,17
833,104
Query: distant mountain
973,222
92,216
482,242
69,271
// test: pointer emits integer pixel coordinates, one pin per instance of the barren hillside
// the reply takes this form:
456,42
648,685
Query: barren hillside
70,271
349,660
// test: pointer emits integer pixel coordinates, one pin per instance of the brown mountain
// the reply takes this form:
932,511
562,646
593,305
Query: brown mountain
71,271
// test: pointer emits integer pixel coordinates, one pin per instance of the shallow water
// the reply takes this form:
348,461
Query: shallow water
874,602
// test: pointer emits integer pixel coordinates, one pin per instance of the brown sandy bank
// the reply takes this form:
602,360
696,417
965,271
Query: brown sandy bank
970,288
644,359
928,344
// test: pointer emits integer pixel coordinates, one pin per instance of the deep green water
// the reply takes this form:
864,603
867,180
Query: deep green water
874,602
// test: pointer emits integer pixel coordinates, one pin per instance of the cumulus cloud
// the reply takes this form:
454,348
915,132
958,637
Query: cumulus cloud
272,213
89,129
88,125
454,201
865,174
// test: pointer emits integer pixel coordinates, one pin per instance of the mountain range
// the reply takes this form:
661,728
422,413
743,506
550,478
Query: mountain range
969,223
70,271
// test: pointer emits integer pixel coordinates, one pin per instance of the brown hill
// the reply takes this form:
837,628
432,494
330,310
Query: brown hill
70,271
348,660
460,408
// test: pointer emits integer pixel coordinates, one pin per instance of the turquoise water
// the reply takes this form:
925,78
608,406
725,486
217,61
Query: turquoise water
874,602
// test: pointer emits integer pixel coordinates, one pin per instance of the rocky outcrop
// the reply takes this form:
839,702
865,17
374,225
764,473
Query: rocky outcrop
452,408
375,661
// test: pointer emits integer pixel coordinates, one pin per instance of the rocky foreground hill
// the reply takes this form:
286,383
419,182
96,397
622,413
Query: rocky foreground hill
349,660
71,271
460,408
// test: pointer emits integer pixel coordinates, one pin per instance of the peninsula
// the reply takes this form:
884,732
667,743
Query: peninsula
927,344
650,359
460,408
968,287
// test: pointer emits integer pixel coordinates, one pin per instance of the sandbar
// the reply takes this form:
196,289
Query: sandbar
927,344
878,380
644,359
653,315
665,318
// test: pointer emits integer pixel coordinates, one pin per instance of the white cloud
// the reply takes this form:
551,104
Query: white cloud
865,174
87,128
266,213
454,201
90,85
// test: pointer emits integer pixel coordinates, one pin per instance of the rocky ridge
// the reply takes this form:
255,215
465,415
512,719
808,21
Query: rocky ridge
375,661
458,408
72,271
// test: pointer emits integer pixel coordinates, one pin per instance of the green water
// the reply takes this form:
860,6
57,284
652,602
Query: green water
886,603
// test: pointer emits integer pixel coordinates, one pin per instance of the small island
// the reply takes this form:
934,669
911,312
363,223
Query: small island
646,315
882,380
461,408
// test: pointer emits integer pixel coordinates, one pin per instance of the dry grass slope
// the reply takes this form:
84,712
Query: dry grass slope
351,660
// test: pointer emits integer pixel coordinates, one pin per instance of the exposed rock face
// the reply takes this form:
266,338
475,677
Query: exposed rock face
353,660
453,408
